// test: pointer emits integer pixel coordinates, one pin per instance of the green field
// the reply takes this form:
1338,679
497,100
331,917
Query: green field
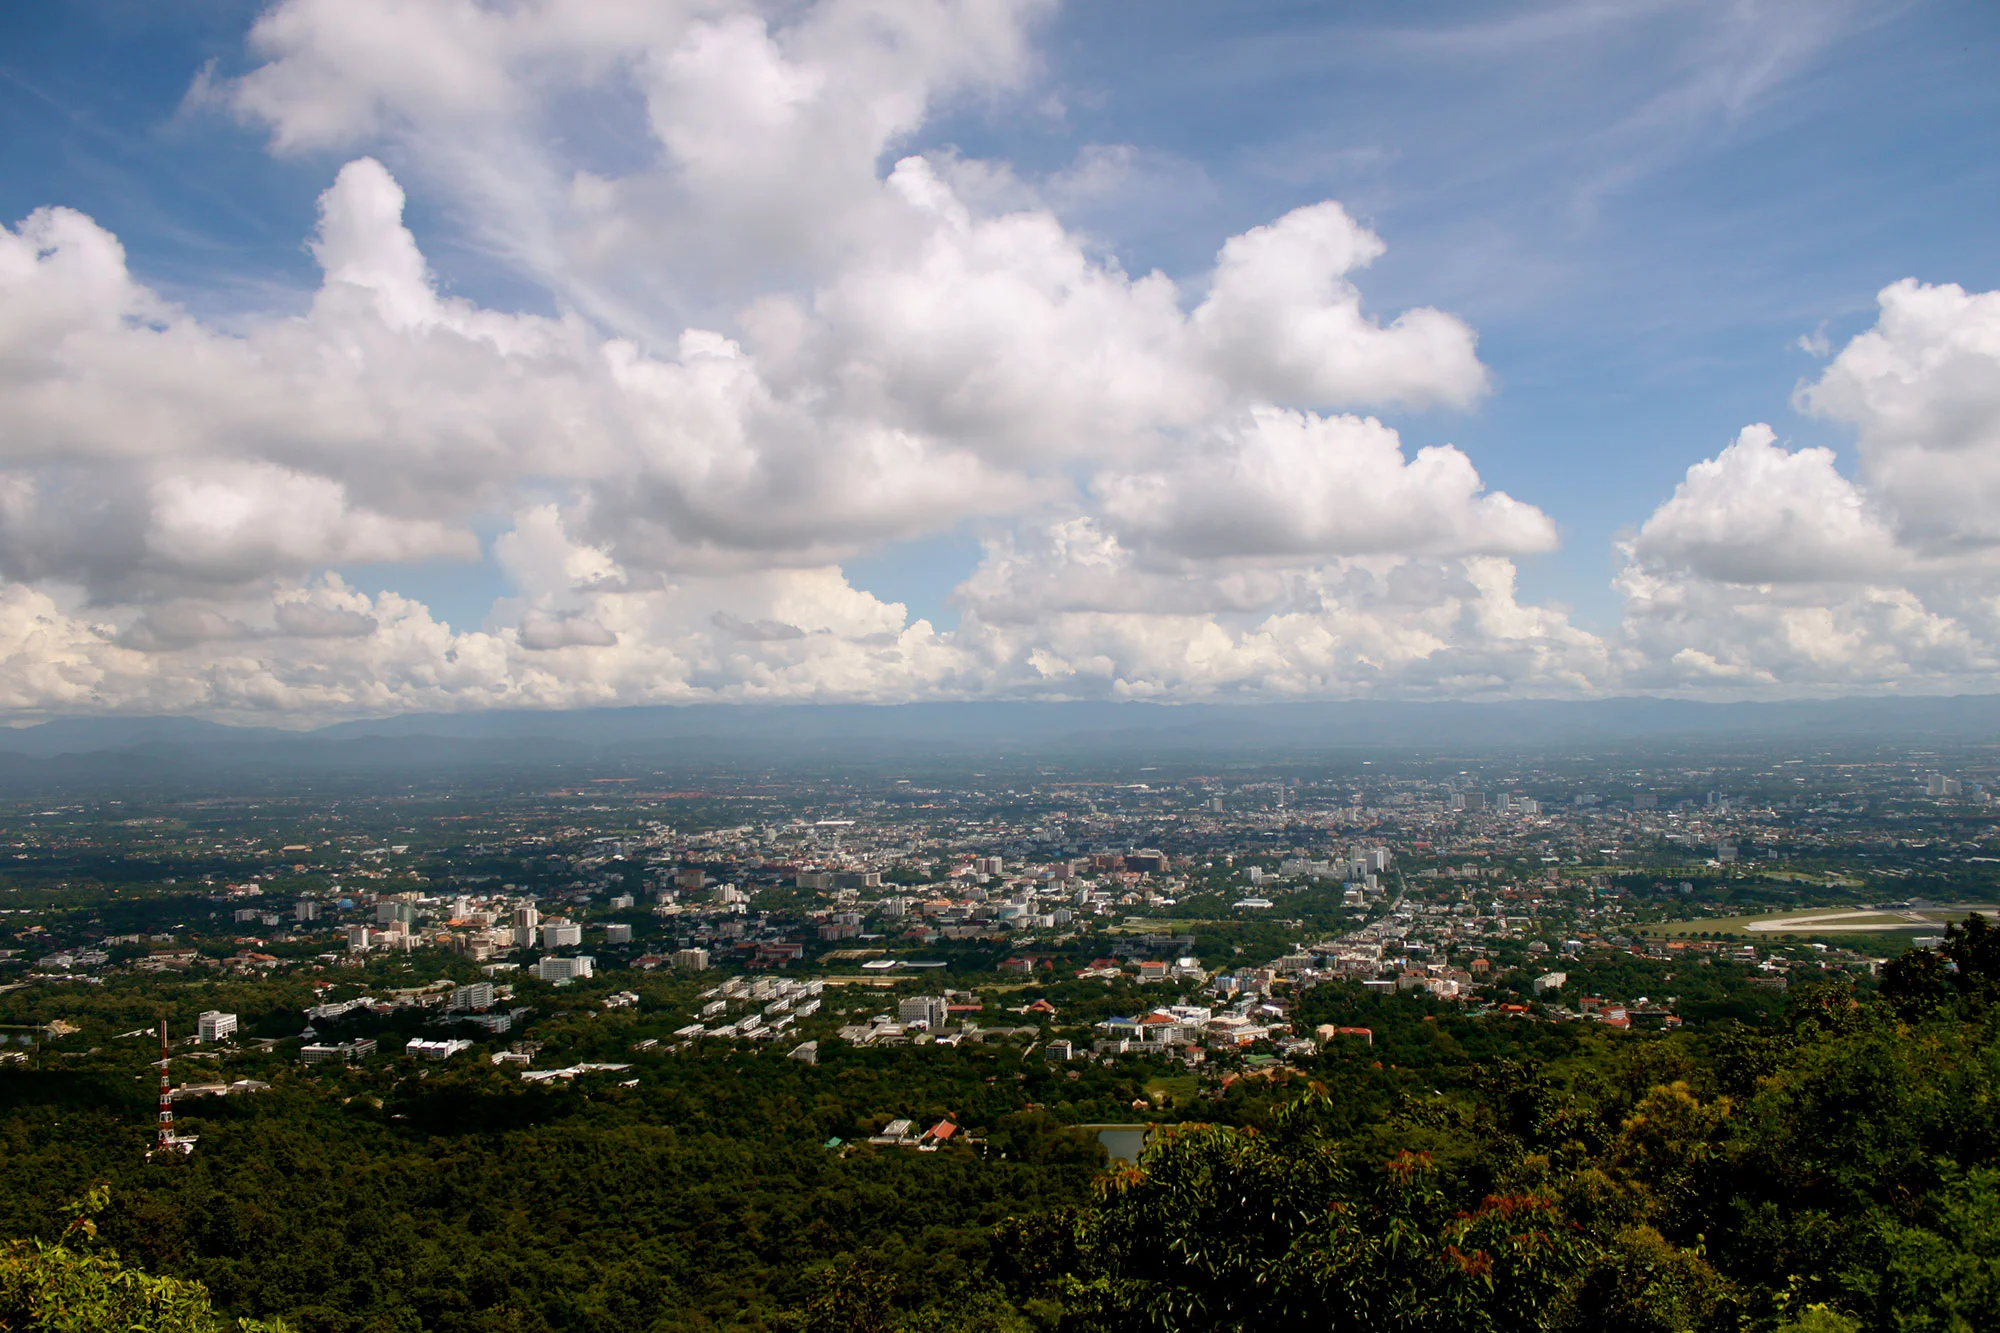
1825,921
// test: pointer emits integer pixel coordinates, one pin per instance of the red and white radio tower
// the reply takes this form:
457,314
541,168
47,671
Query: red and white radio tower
169,1141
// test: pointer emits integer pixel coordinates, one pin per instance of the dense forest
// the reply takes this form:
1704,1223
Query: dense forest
1829,1166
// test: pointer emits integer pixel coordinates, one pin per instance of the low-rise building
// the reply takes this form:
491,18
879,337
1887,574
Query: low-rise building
347,1052
428,1048
579,968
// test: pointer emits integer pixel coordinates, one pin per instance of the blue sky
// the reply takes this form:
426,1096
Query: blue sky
1640,209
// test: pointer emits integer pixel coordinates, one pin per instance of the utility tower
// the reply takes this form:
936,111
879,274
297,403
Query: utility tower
170,1142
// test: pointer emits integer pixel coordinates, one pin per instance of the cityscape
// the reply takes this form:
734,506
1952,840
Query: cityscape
1032,970
999,666
776,911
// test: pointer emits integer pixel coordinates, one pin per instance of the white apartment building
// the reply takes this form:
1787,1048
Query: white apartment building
578,968
476,998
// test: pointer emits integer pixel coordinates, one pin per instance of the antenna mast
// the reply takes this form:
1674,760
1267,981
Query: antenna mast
169,1141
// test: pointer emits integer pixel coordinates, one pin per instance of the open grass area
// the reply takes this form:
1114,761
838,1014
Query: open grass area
1146,925
1176,1090
1817,922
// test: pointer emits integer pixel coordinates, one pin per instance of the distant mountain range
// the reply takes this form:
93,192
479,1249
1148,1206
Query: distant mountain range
144,748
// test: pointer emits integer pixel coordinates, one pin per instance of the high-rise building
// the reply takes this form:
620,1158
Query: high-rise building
617,933
305,911
692,960
214,1025
560,934
526,922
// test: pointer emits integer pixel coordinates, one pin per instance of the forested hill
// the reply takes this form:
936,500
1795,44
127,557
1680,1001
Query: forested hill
1838,1173
1833,1171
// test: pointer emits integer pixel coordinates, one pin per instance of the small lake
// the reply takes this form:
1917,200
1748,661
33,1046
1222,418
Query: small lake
1121,1142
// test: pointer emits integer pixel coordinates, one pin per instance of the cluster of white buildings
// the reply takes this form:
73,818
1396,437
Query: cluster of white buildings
480,928
765,1006
927,1019
1191,1029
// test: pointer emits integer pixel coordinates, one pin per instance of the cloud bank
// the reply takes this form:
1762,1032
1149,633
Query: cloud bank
777,336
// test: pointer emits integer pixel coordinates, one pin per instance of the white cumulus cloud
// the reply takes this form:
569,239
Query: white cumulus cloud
1770,569
1759,513
1922,391
1289,484
784,332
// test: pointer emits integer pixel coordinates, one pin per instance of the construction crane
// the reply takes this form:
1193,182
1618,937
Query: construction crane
170,1142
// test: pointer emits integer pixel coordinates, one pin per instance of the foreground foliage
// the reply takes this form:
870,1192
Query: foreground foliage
1835,1171
74,1287
1840,1173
